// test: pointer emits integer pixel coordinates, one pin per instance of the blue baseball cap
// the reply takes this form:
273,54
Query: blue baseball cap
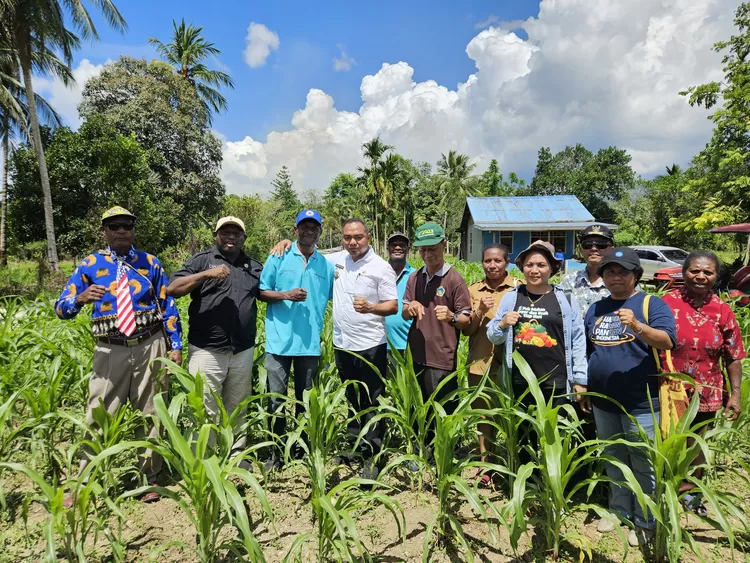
308,214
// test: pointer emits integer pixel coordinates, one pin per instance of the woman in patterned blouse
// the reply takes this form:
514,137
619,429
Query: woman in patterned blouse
708,338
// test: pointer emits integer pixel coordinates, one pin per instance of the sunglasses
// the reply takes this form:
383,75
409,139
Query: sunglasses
118,226
601,245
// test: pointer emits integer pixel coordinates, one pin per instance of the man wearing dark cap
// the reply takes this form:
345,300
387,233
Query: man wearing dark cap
133,320
586,285
297,286
223,286
396,327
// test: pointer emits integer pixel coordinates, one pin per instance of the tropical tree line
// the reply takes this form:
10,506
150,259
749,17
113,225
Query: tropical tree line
146,142
179,160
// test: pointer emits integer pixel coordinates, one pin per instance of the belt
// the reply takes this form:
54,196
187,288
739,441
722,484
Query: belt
131,341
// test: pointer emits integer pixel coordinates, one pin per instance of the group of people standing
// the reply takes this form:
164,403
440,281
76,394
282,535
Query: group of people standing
596,331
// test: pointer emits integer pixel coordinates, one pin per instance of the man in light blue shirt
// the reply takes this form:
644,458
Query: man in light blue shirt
297,287
397,329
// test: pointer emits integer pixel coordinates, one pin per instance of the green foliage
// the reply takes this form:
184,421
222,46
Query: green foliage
286,204
90,170
595,179
721,171
170,121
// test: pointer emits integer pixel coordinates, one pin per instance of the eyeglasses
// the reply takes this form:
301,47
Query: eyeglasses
601,245
358,238
118,226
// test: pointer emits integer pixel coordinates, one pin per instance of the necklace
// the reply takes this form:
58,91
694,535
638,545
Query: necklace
533,302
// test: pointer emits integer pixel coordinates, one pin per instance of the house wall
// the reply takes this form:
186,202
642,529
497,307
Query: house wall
521,241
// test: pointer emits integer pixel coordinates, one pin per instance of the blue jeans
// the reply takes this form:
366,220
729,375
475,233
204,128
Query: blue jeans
612,425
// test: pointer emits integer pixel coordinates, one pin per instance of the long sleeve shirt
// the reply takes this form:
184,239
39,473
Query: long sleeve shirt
148,283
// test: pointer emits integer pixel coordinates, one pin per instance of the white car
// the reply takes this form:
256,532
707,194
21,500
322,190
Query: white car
654,258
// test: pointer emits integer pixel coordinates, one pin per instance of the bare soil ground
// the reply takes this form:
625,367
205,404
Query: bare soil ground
161,532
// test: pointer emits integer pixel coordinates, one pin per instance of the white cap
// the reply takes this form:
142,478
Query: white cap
229,221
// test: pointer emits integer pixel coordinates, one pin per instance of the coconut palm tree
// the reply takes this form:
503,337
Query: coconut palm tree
456,181
31,26
372,180
14,120
186,53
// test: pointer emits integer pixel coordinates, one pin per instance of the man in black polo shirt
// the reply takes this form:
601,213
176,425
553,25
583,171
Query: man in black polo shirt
223,284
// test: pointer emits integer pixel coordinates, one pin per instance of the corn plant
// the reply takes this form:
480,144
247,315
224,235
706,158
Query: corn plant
450,485
548,482
333,509
70,530
673,460
212,501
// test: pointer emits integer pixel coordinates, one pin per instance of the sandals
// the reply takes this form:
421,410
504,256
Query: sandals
694,504
483,478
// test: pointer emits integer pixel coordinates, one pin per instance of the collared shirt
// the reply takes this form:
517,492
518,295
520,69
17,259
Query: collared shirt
586,293
434,343
223,312
146,279
293,327
706,337
481,350
396,327
370,277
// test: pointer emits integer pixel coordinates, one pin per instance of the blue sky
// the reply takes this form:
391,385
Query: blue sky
430,36
490,79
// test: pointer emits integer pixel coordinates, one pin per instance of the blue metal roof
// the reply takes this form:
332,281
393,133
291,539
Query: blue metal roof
529,212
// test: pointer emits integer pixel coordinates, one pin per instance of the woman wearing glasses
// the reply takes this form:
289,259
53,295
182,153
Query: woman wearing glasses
587,285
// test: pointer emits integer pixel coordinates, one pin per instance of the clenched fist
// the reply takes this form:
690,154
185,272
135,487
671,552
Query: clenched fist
90,294
218,273
627,318
361,305
485,304
511,318
442,313
298,294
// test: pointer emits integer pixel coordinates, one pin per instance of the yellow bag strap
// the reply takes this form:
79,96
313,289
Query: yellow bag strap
654,351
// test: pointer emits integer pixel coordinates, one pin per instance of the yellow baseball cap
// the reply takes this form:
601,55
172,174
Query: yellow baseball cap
116,211
229,220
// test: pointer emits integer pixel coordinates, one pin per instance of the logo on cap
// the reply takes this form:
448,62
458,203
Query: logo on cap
427,232
619,254
309,213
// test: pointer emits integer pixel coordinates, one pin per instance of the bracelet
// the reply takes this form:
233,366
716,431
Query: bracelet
639,331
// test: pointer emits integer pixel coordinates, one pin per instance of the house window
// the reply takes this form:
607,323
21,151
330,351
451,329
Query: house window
471,241
558,239
505,238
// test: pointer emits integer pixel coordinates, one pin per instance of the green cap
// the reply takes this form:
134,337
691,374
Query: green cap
429,234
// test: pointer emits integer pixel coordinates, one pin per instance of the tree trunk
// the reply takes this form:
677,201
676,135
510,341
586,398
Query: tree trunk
4,193
49,222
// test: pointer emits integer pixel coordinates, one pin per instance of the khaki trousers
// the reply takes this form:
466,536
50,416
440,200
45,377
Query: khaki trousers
125,373
228,375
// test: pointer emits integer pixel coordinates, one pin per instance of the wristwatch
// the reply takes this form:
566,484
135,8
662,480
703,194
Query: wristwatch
455,318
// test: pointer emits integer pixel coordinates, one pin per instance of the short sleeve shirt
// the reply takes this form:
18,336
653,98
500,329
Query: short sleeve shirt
434,343
481,350
621,365
586,293
706,337
396,327
370,277
293,327
223,312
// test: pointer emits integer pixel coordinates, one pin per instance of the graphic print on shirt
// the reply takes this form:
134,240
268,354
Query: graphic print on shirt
608,330
533,334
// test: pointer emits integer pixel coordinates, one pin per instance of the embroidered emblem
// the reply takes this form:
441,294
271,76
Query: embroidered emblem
440,291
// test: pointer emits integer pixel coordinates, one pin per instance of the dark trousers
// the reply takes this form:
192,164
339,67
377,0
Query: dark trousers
524,429
429,378
353,368
278,369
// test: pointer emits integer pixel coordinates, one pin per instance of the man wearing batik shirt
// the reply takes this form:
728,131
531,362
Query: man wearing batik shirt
587,285
133,320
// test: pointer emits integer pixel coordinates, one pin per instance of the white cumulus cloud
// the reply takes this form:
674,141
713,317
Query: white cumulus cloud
343,62
596,72
260,42
65,99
